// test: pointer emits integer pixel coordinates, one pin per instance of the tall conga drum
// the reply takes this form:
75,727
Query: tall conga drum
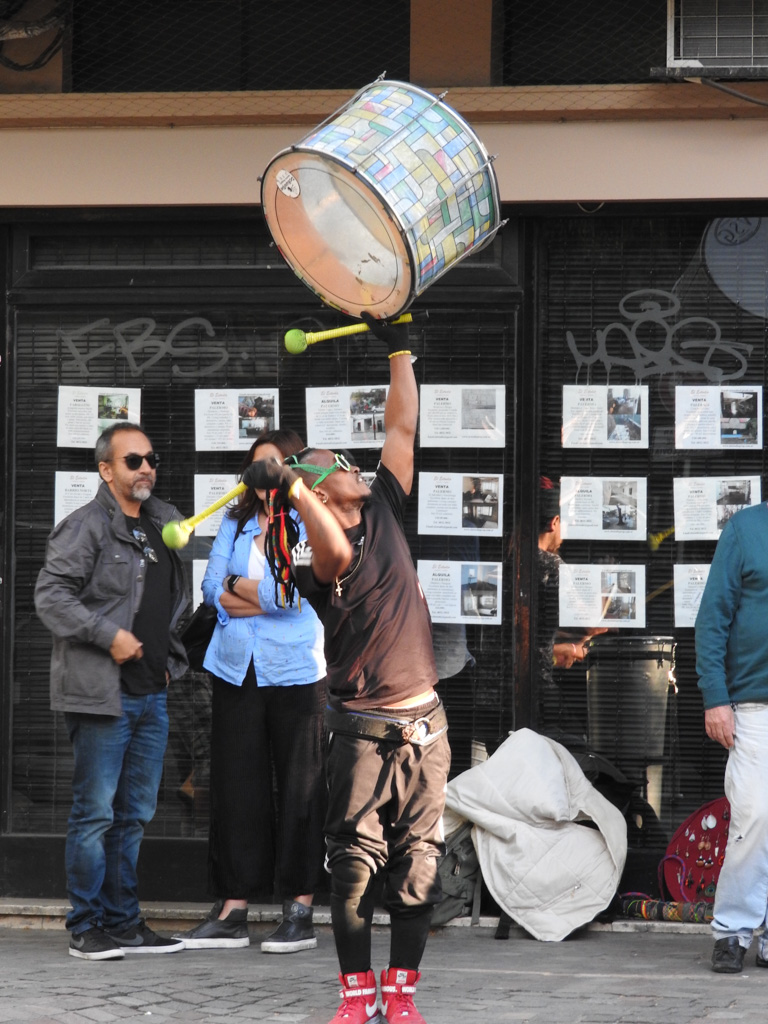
378,202
628,682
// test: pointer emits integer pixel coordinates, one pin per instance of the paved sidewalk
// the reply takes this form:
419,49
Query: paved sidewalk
598,977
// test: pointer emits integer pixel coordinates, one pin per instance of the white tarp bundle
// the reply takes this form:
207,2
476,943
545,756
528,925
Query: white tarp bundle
546,869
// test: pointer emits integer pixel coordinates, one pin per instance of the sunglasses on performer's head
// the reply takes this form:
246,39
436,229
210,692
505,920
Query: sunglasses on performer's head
143,539
134,461
341,460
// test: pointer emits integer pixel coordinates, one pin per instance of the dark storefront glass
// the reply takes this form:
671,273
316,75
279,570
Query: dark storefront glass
663,303
657,302
171,310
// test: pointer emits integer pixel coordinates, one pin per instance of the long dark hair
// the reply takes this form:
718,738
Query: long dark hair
282,531
288,443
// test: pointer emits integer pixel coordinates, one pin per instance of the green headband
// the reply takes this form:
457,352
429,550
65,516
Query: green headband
321,470
316,469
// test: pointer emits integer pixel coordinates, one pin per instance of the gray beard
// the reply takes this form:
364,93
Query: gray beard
141,492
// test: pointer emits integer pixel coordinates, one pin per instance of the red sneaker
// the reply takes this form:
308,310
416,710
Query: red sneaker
397,988
358,1000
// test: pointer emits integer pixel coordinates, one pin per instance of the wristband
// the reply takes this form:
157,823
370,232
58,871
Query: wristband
231,583
294,491
402,352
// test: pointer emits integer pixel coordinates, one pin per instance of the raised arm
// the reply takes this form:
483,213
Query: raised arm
331,551
401,414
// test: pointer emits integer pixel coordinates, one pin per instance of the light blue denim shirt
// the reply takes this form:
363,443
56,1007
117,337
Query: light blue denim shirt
286,643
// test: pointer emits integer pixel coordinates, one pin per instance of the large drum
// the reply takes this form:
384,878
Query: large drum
381,200
628,681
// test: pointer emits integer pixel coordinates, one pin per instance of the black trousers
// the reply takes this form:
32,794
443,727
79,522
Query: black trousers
385,806
268,795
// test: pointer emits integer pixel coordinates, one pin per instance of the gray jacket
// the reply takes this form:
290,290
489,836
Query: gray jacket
89,588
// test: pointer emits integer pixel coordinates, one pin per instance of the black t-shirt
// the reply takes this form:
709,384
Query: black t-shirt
152,622
378,633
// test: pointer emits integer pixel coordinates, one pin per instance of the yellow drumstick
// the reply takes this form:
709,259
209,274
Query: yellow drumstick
296,341
655,539
176,533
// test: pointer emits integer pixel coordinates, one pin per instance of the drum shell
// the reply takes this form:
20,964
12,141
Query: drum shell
628,680
421,179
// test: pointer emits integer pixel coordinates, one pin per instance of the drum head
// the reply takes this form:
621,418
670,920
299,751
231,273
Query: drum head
736,256
337,235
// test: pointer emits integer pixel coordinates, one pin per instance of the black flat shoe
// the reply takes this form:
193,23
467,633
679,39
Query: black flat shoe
728,956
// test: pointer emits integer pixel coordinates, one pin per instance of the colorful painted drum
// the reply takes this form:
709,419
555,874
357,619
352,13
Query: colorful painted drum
382,199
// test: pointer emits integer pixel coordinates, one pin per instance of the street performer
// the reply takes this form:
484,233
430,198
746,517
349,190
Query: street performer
389,755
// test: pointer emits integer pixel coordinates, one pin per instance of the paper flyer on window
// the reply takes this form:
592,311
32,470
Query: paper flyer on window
690,581
718,417
703,505
598,416
72,491
85,413
454,504
209,487
462,591
230,419
602,595
603,508
462,416
199,565
346,417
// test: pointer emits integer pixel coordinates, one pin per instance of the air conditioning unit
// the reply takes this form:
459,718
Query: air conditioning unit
716,39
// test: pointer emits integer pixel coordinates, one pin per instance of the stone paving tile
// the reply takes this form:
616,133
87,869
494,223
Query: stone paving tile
99,1015
596,978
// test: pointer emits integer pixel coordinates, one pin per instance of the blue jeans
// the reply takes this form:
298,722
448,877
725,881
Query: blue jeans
742,888
118,767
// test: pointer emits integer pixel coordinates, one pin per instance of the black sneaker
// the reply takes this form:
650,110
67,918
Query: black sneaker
728,956
295,931
229,933
141,939
94,944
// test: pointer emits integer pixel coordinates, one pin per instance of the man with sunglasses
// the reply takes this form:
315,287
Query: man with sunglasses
389,756
111,594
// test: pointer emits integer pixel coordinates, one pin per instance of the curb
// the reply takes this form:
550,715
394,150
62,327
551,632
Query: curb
18,912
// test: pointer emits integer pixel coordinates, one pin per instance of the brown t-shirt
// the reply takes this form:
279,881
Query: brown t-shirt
378,633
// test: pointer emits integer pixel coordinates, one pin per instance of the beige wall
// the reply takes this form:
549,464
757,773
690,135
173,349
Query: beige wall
537,162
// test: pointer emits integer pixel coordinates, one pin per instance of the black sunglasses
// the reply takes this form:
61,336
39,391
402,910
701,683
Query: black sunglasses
133,461
142,538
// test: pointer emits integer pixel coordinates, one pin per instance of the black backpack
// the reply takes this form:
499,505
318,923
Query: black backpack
459,871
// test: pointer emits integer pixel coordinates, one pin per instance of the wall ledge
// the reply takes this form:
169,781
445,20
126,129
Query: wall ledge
531,104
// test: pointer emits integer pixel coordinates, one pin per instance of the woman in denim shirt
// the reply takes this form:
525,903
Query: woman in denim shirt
266,660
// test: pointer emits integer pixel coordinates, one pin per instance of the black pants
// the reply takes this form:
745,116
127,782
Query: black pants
267,789
385,806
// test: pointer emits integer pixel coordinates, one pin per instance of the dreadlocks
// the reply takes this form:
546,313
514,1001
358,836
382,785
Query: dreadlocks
282,537
282,532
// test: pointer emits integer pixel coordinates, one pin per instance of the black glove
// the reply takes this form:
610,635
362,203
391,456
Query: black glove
394,336
269,475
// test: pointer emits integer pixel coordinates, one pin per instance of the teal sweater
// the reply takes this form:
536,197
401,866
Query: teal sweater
732,623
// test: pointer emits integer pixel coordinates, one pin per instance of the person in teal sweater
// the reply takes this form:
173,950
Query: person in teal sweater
732,665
